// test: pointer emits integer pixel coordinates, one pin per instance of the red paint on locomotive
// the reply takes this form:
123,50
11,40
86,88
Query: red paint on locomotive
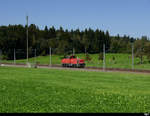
72,61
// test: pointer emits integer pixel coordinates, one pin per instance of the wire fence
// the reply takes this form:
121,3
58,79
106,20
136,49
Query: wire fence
105,59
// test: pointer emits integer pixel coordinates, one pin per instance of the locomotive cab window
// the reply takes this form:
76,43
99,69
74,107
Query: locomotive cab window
72,57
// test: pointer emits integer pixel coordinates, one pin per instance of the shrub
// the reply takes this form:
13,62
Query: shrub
4,57
100,57
87,57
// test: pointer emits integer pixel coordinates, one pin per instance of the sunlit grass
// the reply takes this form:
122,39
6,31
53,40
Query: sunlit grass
49,90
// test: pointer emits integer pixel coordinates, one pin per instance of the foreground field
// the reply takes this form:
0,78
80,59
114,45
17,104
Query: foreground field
45,90
121,61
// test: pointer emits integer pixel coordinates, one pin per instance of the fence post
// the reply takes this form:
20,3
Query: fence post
103,57
14,56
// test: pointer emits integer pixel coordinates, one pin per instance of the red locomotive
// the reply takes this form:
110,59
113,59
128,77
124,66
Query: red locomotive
72,61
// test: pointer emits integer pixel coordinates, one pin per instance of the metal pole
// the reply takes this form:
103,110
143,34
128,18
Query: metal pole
0,56
14,57
132,56
27,38
35,56
103,57
50,63
73,51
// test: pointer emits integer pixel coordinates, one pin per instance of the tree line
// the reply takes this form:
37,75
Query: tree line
62,41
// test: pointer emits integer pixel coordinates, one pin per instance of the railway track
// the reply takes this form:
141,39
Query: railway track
82,69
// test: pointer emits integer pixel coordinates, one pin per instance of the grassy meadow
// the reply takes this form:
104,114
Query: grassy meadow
121,61
49,90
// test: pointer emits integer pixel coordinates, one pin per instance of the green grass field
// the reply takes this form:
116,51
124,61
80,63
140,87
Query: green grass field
51,90
121,61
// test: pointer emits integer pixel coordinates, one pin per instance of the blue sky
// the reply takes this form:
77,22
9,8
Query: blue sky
130,17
